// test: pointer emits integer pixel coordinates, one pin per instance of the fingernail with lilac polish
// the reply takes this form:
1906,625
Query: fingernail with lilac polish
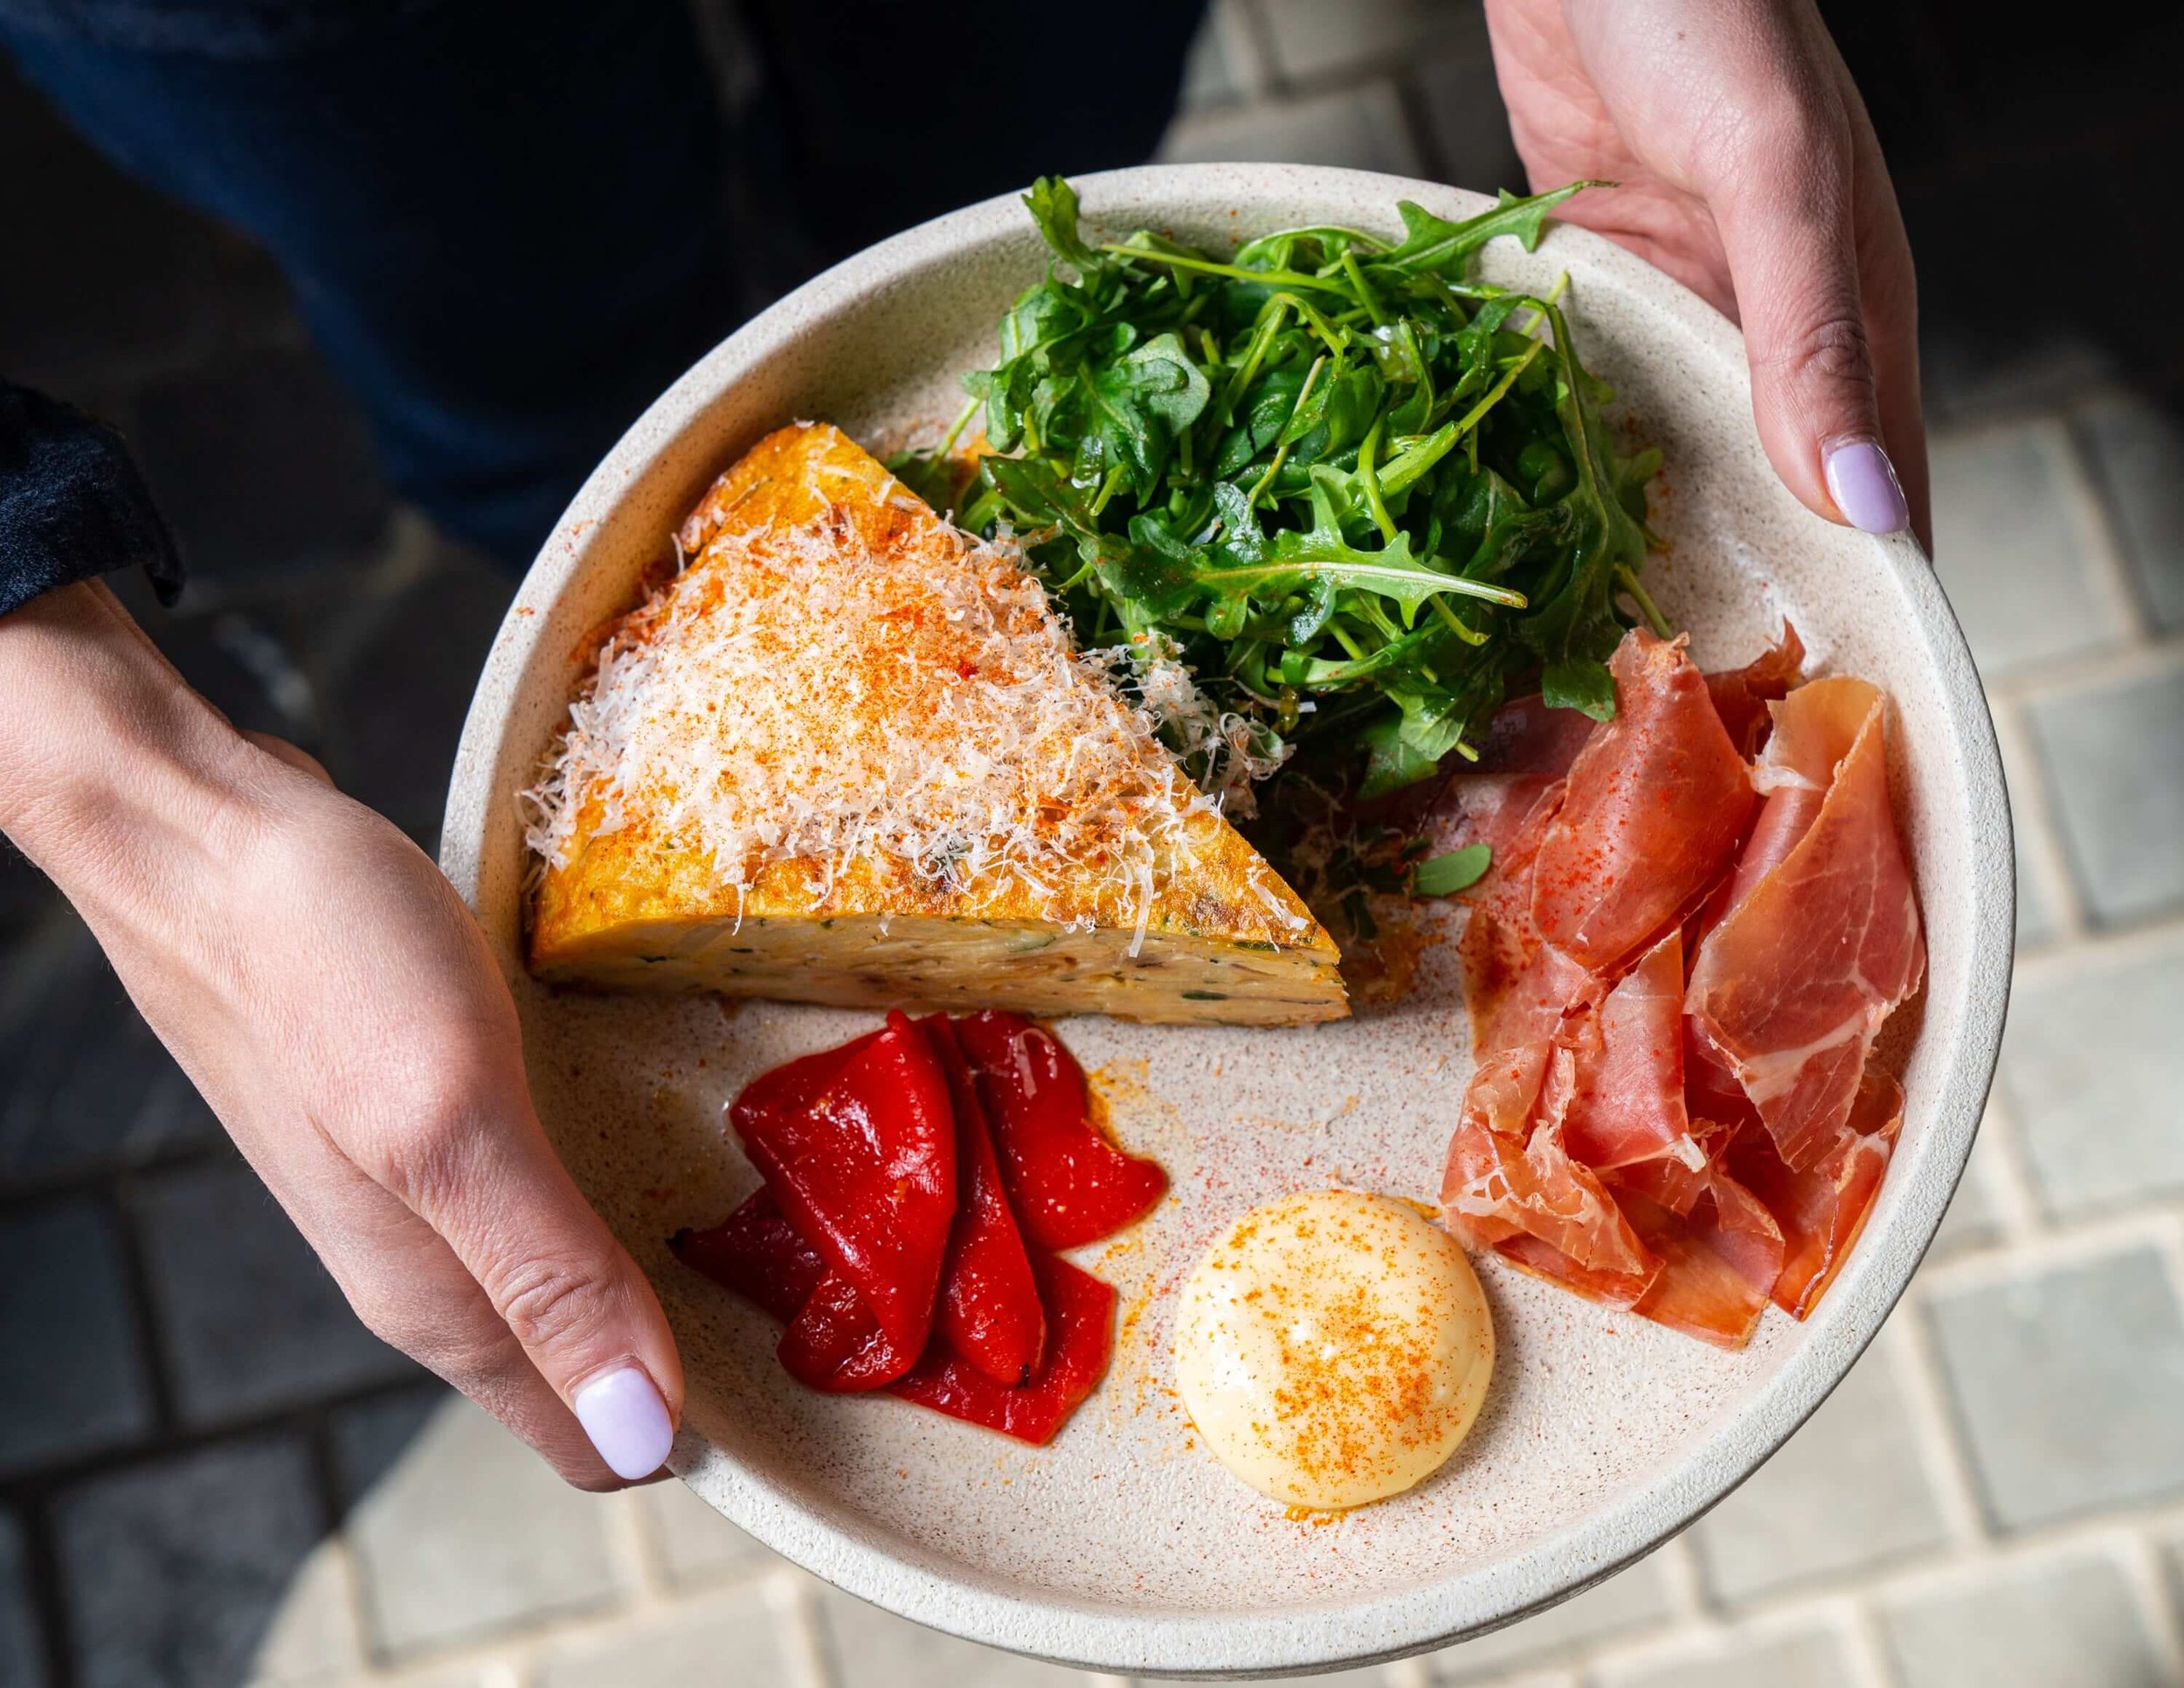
1862,482
627,1422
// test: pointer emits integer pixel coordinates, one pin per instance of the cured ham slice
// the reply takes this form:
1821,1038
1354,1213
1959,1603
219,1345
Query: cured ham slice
1517,989
1821,942
1718,1263
1712,1270
1716,1102
1741,695
1499,1186
1715,1252
1508,813
1628,1103
1655,803
1821,1209
1525,736
1524,991
1794,775
1514,794
1610,1289
1506,1087
1676,967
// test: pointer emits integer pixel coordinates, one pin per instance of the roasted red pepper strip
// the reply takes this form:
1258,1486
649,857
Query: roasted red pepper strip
756,1253
1079,1338
835,1342
859,1149
1069,1185
988,1300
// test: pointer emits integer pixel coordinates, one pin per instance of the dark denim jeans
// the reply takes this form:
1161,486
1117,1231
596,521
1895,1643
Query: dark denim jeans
510,226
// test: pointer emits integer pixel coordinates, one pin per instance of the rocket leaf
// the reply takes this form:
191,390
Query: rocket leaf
1358,492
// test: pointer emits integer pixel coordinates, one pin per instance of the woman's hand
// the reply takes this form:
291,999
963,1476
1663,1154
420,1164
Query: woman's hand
328,993
1748,169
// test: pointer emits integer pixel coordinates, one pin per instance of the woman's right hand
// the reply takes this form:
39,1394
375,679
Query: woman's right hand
326,991
1745,166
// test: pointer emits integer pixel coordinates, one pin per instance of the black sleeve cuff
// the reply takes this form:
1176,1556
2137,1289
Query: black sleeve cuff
73,505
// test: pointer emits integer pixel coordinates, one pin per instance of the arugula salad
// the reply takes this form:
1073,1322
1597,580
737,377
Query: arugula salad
1356,494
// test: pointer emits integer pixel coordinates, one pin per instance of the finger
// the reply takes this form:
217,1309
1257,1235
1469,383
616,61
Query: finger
566,1290
409,1289
418,1297
1787,218
1889,286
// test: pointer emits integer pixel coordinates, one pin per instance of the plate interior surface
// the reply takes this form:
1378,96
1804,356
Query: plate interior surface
1123,1545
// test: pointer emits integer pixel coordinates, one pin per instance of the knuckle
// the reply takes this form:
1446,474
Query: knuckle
1833,351
449,1349
386,1320
427,1146
421,1153
1797,132
549,1302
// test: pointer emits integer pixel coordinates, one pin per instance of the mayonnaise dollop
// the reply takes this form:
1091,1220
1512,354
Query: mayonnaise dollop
1333,1348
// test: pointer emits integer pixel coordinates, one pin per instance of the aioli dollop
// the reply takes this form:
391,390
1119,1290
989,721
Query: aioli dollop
1333,1348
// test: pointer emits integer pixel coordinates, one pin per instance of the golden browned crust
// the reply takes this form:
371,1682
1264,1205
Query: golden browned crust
617,893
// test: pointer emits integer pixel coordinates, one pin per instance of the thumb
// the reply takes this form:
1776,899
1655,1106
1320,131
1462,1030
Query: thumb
567,1292
1789,230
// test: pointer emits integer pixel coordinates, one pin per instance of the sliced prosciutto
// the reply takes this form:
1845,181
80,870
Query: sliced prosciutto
1721,1247
1624,1290
1508,812
1523,990
1628,1103
1711,1269
1578,1069
1516,988
1501,1186
1525,736
1577,1159
1820,940
1676,967
1741,695
1821,1209
1654,804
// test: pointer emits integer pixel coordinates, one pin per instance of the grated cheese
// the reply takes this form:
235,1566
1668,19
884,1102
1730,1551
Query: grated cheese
793,695
1225,750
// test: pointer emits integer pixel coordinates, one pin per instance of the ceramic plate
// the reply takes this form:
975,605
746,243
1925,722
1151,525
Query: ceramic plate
1124,1546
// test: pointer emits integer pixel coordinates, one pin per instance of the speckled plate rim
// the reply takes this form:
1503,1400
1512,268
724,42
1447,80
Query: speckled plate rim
935,1590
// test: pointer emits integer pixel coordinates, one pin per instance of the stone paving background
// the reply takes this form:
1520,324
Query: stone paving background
210,1475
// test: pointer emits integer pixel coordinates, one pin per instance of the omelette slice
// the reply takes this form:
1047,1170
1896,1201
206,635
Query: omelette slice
848,755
